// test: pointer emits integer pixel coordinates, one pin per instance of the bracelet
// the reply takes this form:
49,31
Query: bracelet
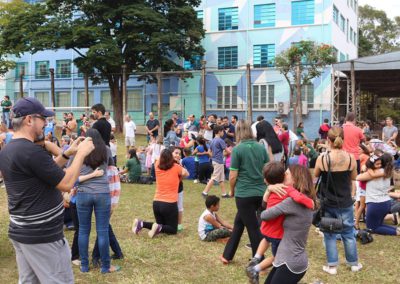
65,156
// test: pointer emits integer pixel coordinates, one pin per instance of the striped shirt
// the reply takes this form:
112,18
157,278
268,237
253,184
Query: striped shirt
35,205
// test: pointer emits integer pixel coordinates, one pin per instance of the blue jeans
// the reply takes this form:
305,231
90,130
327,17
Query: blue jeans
101,204
376,213
347,235
113,244
6,119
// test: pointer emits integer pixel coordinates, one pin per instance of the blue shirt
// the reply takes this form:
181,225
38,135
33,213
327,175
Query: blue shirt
202,158
189,164
294,160
49,128
217,147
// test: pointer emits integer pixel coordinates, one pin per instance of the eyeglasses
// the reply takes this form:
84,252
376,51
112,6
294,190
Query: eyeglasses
39,116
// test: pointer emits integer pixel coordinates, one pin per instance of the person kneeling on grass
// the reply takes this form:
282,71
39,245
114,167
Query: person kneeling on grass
165,204
133,170
211,226
272,230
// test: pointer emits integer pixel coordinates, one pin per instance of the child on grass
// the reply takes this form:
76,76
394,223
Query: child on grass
189,163
211,226
274,174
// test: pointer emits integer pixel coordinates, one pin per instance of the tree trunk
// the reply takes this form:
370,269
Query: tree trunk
116,97
293,106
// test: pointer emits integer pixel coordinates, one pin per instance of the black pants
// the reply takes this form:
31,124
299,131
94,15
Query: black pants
205,171
166,214
114,244
245,217
75,220
282,275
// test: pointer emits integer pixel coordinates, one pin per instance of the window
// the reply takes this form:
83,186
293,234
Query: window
263,96
21,67
43,97
135,100
351,35
228,19
227,97
196,65
264,55
342,23
41,69
303,12
228,57
81,98
63,68
200,15
355,38
335,15
264,15
105,99
342,57
63,99
307,95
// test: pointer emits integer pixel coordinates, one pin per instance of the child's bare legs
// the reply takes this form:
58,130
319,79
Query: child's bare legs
208,186
359,210
222,185
266,263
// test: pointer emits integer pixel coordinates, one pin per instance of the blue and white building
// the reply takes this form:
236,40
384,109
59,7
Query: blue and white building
238,32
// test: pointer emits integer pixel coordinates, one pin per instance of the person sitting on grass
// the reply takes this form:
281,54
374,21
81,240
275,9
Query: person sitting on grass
211,226
272,230
134,170
165,204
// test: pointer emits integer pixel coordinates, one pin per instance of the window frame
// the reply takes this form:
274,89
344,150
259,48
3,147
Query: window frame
227,102
38,68
228,19
269,20
63,63
298,17
228,52
270,58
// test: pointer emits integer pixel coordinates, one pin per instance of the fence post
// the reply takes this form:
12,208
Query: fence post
159,94
249,97
353,89
52,88
21,83
86,82
203,87
124,98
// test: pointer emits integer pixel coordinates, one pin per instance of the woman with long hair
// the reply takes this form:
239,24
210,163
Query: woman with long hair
247,186
338,171
291,260
94,195
377,194
267,136
170,137
165,203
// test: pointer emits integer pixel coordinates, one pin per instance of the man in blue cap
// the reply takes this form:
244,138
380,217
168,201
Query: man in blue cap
34,181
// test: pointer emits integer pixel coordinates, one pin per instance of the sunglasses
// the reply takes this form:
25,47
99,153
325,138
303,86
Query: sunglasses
39,116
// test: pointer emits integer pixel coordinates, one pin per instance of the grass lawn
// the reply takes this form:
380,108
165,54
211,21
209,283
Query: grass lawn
185,259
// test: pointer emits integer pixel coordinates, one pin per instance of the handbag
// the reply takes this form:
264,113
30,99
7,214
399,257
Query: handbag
330,225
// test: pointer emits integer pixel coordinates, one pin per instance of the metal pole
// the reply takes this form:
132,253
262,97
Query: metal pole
124,93
159,94
353,88
249,97
52,87
203,87
86,82
21,83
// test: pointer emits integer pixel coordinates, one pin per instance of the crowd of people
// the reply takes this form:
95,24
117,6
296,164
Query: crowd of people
279,179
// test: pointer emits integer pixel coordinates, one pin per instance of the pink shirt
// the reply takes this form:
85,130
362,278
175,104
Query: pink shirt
352,138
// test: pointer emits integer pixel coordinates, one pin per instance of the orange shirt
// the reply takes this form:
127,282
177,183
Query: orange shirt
167,183
352,138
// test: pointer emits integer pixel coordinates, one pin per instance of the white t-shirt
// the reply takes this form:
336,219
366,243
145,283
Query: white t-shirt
377,190
208,134
112,122
130,128
113,148
204,227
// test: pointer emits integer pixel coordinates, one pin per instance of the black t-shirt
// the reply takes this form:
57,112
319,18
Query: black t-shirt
35,205
151,124
104,127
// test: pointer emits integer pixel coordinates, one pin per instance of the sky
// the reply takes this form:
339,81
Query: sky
391,7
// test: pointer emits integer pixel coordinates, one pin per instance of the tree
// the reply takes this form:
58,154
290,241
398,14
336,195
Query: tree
141,34
301,63
377,33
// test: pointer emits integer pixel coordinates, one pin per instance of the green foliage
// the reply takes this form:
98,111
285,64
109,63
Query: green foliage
377,33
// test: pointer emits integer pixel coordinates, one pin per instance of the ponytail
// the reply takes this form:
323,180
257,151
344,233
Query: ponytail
335,136
338,143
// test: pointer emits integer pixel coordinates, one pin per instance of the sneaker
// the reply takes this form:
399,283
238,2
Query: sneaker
253,262
155,230
252,274
332,270
76,262
204,195
356,268
225,195
180,227
196,181
137,226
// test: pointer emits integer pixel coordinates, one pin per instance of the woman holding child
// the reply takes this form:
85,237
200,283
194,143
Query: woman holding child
247,185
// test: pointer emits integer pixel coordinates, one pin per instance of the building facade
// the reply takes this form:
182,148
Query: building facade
238,32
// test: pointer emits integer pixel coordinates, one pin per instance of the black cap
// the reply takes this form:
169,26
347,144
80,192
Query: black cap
30,105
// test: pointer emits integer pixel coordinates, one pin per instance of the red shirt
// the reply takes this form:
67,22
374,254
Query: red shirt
274,228
284,138
352,138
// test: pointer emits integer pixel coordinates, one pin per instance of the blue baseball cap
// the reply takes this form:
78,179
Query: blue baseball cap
30,105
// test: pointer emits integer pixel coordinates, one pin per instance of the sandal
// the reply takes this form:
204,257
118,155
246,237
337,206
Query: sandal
113,268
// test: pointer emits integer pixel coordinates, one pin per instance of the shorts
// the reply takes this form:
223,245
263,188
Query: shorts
359,192
274,244
219,172
180,201
129,141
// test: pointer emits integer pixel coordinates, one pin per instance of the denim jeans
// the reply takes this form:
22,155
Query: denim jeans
101,204
6,119
113,244
376,213
347,235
